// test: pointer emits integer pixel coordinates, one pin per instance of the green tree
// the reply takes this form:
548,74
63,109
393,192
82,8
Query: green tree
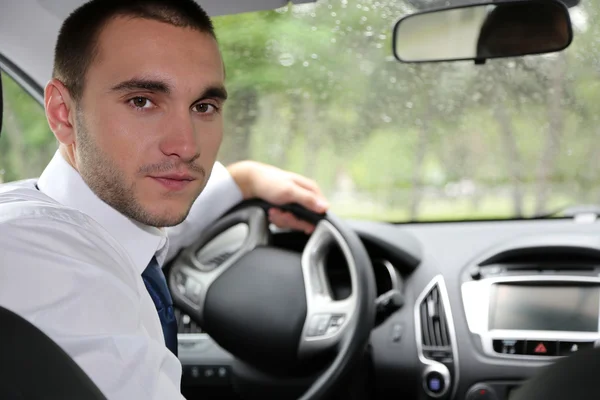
26,142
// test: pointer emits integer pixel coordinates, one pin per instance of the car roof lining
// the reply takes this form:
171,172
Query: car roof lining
62,8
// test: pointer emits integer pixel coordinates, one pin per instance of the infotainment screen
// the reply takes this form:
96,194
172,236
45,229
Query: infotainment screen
544,307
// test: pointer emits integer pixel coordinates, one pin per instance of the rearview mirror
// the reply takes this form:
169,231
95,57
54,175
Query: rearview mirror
482,31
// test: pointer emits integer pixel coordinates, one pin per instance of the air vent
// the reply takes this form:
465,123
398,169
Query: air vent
185,323
434,327
546,255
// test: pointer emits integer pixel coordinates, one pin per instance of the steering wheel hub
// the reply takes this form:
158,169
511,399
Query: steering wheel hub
257,309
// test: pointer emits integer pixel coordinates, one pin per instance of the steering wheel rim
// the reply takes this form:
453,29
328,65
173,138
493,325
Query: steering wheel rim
349,320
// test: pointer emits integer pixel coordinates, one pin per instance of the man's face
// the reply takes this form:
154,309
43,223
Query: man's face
149,123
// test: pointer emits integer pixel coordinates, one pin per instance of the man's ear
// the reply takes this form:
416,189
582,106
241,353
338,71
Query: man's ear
60,111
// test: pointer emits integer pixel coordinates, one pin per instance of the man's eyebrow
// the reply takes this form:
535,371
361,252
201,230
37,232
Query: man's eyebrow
217,92
214,92
142,84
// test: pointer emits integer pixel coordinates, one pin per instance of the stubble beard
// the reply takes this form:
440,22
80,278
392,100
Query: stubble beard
109,183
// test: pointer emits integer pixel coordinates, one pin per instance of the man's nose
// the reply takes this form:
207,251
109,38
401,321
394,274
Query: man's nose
179,138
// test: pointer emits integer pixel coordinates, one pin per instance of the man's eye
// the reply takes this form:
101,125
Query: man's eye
140,102
205,108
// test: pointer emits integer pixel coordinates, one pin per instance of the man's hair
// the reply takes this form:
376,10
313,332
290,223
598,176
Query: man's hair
77,44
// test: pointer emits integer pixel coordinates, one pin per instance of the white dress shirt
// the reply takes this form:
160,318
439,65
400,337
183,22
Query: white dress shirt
71,265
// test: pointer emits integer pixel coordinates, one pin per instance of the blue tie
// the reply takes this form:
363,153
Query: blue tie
156,284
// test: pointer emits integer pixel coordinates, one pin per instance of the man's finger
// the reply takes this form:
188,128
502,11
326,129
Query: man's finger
306,183
308,199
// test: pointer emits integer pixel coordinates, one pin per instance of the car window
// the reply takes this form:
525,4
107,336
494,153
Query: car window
315,89
26,142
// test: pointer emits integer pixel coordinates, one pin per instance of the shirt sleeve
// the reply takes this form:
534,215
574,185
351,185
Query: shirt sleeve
220,194
76,286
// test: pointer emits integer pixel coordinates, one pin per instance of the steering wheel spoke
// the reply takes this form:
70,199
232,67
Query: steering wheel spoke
191,277
327,318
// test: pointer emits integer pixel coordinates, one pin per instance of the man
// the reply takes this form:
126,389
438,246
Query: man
136,103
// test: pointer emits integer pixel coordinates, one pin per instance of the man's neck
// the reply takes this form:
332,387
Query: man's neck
68,154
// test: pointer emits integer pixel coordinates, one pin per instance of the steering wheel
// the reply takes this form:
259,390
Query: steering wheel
273,308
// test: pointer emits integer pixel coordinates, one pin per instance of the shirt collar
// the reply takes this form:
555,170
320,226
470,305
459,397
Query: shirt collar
64,184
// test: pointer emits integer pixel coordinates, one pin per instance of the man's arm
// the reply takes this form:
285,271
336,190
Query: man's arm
244,180
76,286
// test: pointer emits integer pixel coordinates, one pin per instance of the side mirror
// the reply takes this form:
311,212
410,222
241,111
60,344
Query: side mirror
482,31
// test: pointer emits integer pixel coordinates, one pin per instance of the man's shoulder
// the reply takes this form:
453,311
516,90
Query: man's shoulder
24,207
21,200
24,194
30,219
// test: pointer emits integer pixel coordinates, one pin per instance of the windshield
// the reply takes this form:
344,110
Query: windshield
315,89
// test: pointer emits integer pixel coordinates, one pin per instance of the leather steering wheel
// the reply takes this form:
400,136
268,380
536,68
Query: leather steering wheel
272,308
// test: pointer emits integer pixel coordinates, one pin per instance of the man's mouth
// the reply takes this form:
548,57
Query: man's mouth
176,177
174,181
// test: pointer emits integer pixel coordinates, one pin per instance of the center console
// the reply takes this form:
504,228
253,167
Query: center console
530,302
533,317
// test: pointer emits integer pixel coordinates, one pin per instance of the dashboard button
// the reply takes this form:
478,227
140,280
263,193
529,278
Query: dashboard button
397,331
194,372
318,325
509,346
541,348
481,391
568,348
209,372
322,326
337,320
206,374
435,382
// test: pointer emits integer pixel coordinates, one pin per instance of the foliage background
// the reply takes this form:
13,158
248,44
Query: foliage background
315,89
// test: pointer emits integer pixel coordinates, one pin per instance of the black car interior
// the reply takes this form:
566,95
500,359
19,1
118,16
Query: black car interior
26,352
480,310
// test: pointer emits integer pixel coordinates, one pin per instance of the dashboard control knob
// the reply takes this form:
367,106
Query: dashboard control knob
436,380
481,391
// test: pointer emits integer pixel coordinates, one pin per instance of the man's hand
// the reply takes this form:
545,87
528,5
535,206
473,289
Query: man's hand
257,180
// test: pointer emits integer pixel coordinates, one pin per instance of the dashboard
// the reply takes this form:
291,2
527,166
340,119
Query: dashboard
466,310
